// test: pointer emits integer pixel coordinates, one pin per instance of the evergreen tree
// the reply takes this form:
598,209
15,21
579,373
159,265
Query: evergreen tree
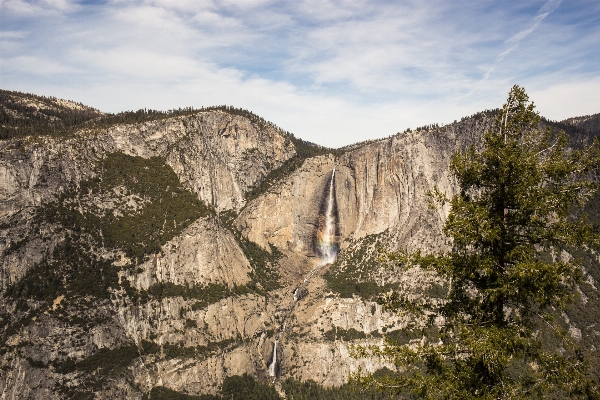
509,226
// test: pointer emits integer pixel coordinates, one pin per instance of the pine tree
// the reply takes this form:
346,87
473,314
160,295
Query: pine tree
515,215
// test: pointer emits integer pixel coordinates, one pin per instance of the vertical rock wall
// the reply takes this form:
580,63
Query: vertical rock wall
379,186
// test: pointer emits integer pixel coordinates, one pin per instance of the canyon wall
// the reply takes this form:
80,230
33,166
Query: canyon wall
213,300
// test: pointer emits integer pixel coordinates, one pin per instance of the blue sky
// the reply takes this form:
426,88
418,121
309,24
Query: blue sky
331,71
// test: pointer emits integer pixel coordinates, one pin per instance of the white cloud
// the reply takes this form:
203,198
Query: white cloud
546,9
568,99
24,7
13,34
35,65
62,5
183,5
246,4
331,71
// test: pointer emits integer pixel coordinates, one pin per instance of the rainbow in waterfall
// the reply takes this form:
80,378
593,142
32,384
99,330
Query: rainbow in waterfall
326,245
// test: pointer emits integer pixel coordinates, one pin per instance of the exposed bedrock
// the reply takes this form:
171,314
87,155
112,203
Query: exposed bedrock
215,154
379,186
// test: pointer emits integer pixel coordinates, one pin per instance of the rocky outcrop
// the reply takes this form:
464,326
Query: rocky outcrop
287,215
191,376
384,185
381,186
215,154
204,253
378,187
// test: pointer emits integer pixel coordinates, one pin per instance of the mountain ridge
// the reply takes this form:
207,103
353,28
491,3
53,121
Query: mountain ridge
184,298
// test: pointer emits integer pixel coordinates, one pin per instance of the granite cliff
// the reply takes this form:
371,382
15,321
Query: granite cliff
173,250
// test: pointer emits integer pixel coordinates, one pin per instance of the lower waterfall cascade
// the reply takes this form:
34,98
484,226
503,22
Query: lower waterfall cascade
272,371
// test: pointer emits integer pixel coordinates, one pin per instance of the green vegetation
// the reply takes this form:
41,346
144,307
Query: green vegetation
236,387
190,323
95,371
343,334
104,361
204,294
170,208
245,387
73,270
276,175
178,350
584,313
579,127
197,352
591,123
402,337
19,119
163,393
263,264
304,150
13,247
259,122
146,115
354,271
166,207
264,274
500,338
310,390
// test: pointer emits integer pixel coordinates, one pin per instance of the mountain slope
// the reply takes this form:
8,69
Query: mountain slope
151,252
23,114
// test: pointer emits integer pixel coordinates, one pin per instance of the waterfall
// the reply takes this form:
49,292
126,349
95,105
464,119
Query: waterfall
326,248
273,366
326,235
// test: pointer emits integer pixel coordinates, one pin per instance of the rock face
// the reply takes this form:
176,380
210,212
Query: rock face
216,155
287,215
204,253
379,187
219,296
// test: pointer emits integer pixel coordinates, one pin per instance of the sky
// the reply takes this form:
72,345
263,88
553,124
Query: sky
333,72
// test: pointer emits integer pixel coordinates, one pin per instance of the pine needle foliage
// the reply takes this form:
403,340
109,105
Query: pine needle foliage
508,228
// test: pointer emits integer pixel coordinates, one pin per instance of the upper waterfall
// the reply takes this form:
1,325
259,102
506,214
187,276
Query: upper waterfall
326,233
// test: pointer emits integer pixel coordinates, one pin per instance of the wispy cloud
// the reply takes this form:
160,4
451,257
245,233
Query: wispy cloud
331,71
13,34
514,41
